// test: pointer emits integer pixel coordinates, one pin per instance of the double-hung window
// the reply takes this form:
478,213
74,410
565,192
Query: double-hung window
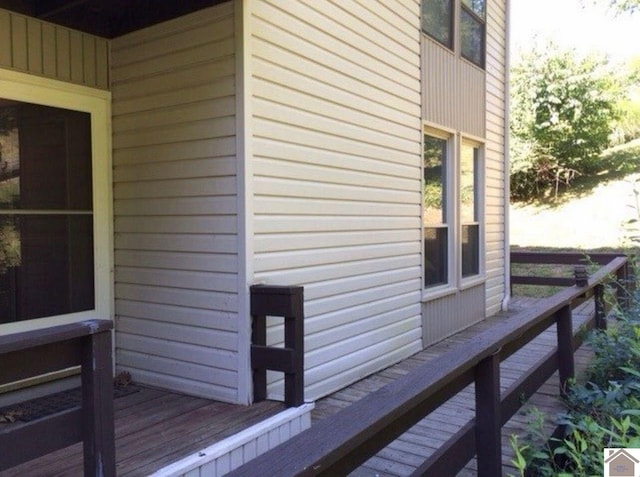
452,210
55,247
469,210
435,214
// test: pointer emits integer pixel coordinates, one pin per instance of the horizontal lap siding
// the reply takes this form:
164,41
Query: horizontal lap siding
337,179
496,202
175,204
52,51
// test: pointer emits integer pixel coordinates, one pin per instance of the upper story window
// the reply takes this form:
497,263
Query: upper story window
438,22
472,25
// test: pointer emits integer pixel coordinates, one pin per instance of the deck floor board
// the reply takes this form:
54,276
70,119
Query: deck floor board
155,428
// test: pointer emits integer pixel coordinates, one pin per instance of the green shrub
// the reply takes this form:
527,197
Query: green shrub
604,412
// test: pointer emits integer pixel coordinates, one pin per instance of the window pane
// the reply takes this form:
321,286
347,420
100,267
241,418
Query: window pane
46,266
435,256
470,250
435,180
45,158
46,216
476,6
468,183
472,38
436,20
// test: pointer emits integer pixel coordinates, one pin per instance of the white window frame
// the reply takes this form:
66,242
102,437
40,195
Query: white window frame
33,89
473,280
455,281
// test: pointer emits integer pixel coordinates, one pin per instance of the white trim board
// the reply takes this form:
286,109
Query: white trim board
232,452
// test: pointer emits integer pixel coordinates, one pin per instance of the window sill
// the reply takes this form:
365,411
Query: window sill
441,292
430,294
471,282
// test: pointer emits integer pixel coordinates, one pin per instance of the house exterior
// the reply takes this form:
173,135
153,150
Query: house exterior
356,148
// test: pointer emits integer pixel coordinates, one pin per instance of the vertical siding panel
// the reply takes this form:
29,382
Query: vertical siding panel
102,63
33,46
89,60
63,53
49,50
337,180
76,56
5,39
461,309
176,283
19,42
34,41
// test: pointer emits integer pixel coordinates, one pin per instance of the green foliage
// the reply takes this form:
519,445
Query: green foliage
605,412
621,6
562,113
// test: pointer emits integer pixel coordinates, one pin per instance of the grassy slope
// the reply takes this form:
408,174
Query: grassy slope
594,214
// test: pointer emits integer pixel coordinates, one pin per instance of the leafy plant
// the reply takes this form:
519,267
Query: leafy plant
604,412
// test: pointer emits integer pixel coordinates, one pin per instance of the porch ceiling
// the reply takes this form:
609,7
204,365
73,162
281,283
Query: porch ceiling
106,18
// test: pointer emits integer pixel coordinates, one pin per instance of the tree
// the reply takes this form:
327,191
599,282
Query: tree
563,108
619,6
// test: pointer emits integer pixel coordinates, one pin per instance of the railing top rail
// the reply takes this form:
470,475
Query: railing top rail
563,258
391,410
29,339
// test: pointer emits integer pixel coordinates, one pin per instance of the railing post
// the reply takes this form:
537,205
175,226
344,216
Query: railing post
488,419
566,368
97,407
286,302
624,286
600,307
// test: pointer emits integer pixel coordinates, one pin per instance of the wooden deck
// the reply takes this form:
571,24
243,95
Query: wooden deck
406,453
155,428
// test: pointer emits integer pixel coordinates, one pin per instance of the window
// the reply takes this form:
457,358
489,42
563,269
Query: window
452,210
55,203
435,223
437,20
469,210
472,21
46,211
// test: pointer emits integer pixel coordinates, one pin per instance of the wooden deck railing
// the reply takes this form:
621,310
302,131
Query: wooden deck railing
339,444
32,353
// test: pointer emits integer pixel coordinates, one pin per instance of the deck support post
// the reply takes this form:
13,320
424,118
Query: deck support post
488,418
600,308
566,368
97,407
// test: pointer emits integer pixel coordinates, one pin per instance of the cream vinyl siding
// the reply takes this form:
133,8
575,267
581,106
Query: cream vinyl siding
336,148
495,201
175,204
52,51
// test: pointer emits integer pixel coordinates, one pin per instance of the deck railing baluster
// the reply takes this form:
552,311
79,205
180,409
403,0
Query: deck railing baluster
566,367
